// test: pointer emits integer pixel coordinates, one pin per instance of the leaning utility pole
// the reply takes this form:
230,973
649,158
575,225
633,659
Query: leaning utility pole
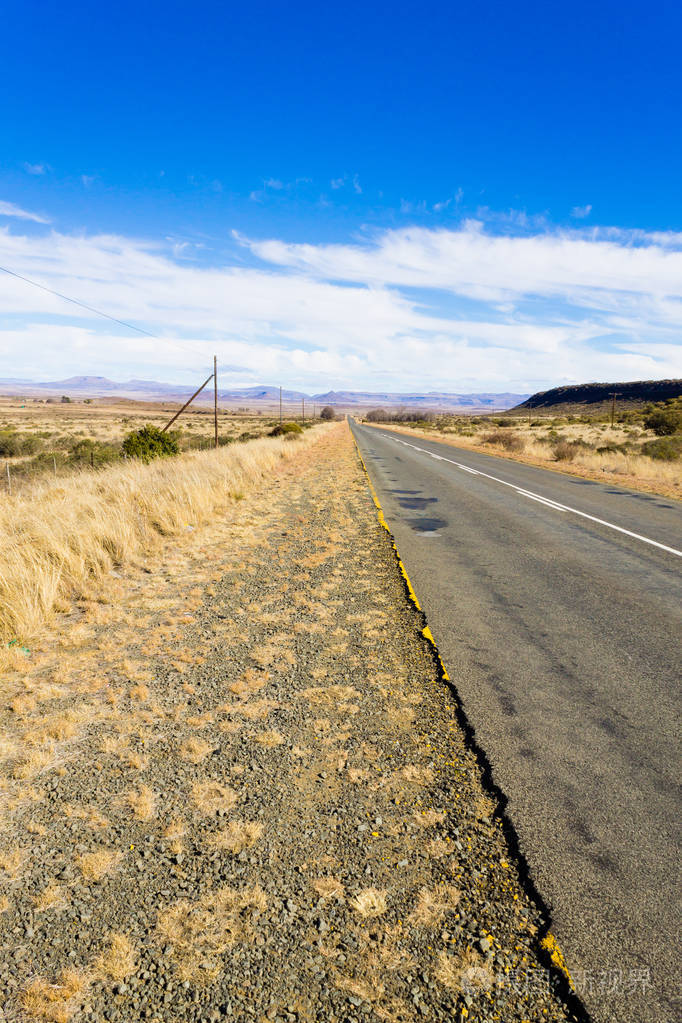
215,398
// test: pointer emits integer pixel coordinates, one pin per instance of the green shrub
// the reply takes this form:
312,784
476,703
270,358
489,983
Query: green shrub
664,449
149,443
93,452
283,428
13,443
664,422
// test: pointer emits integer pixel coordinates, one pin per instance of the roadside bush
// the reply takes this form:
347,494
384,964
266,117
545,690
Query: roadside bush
327,412
286,428
664,422
565,450
149,443
664,449
505,438
93,452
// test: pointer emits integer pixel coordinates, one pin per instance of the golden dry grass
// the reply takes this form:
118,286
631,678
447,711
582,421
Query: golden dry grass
369,903
210,796
118,960
237,836
53,1002
201,931
468,973
142,803
95,865
432,904
328,888
51,897
60,536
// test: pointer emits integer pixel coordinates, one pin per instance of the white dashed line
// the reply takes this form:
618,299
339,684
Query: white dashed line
555,505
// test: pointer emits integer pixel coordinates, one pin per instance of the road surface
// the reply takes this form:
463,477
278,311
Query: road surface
556,603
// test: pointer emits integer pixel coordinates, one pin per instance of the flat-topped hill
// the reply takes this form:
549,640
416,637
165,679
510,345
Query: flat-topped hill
589,397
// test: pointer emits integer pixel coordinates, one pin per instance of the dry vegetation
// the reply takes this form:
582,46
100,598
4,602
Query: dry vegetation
39,438
62,538
627,453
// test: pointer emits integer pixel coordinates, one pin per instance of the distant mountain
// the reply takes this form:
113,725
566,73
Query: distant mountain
589,396
101,387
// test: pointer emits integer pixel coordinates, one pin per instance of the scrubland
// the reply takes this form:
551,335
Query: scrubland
627,453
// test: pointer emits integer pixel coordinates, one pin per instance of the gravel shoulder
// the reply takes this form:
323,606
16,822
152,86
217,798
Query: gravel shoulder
235,786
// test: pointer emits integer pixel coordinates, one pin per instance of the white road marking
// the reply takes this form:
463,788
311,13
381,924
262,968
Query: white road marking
545,500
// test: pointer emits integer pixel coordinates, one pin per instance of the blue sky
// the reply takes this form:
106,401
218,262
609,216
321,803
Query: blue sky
406,196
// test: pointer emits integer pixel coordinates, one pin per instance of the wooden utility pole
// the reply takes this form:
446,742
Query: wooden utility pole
303,411
198,391
215,398
613,396
280,406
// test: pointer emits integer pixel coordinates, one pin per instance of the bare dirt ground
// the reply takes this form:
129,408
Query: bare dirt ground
235,787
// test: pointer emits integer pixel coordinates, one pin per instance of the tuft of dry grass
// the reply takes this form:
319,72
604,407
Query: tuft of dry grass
237,836
433,904
210,796
96,865
269,739
369,903
328,888
118,960
53,1003
52,897
200,932
468,973
142,803
195,750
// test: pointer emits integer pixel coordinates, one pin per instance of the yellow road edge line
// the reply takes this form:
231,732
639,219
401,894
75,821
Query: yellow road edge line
549,943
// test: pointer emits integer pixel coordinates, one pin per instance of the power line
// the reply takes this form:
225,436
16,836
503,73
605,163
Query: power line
91,309
76,301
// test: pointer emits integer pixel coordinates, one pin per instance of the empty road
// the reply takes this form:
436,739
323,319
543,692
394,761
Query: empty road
556,603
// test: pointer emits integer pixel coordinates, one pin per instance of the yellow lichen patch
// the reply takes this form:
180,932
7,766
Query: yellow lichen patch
95,865
210,796
237,836
200,932
369,903
53,1003
118,959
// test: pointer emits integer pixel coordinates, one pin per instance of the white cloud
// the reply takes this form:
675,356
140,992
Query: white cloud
337,182
493,312
35,168
87,180
8,209
580,212
356,185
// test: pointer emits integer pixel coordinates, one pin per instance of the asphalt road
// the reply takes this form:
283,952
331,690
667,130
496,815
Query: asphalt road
562,636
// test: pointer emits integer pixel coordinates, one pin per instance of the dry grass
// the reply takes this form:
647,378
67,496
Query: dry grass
369,903
142,803
60,536
210,796
96,865
52,897
269,739
53,1003
328,888
237,836
200,932
195,750
433,904
118,960
468,973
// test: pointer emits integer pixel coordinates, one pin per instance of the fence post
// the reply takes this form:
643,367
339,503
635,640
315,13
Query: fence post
9,481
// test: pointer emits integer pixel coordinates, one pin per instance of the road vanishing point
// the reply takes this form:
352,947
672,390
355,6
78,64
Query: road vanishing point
556,604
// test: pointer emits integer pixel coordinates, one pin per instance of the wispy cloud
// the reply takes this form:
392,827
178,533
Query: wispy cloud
460,309
8,209
88,180
580,212
35,168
